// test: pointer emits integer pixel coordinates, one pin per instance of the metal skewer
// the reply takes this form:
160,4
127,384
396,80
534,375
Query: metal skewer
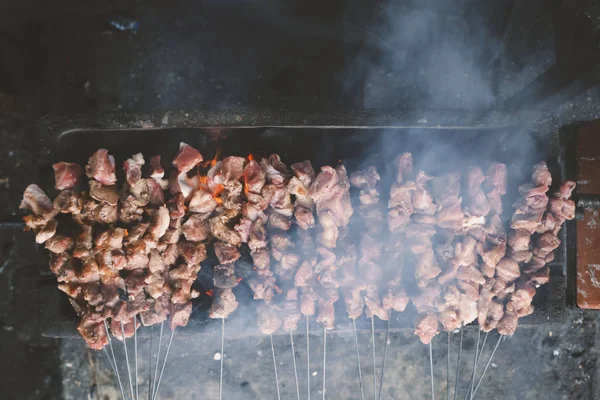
474,363
385,347
275,367
448,370
488,364
324,361
135,352
462,327
150,362
222,357
112,351
162,371
127,358
295,367
431,368
307,359
360,378
479,352
162,324
373,351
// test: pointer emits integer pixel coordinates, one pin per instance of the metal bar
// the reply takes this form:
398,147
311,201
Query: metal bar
324,362
488,364
475,361
222,358
114,359
162,371
360,378
162,324
295,367
307,360
431,369
448,370
135,352
373,355
385,347
127,358
458,361
275,367
150,362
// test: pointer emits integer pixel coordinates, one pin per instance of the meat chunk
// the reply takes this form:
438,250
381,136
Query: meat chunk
426,327
66,175
187,158
38,202
226,253
68,202
102,193
180,315
304,171
202,202
133,168
59,244
508,269
196,228
46,232
541,175
224,304
101,167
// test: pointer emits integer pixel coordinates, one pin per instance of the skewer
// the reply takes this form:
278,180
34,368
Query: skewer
295,367
488,364
385,347
360,378
162,324
462,327
324,361
275,367
307,359
431,368
448,370
112,351
479,352
135,352
373,350
222,357
150,362
127,357
475,363
162,371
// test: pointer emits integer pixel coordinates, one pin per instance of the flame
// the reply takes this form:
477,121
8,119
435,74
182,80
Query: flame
278,289
209,293
319,277
250,157
211,163
126,232
239,279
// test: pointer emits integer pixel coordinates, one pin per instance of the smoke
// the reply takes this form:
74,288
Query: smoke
422,54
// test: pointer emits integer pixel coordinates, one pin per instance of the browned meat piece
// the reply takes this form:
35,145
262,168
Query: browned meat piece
373,305
304,218
158,311
519,239
403,164
156,264
470,274
508,324
397,219
497,180
156,169
36,200
134,282
68,202
193,253
328,232
133,168
426,327
180,315
304,275
202,202
66,175
365,179
278,221
46,232
401,196
562,210
528,222
425,300
276,171
232,168
89,271
220,230
548,223
254,177
261,258
92,329
322,187
308,301
490,316
137,256
326,315
541,175
223,304
491,255
187,158
291,314
126,329
533,200
508,269
226,253
59,244
263,286
395,299
523,256
176,206
196,229
101,193
72,290
224,276
160,223
427,267
450,216
268,320
565,190
446,189
354,303
155,190
304,171
422,200
101,167
539,277
129,210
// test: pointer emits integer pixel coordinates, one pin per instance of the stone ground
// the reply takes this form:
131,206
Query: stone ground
60,59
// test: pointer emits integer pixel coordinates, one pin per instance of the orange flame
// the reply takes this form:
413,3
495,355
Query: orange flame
278,289
239,279
209,293
250,157
212,162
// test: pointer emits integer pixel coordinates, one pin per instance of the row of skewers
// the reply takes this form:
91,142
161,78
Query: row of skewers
128,256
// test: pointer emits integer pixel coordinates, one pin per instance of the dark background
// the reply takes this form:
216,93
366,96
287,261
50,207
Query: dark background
283,55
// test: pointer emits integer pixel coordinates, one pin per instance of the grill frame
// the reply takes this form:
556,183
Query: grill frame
58,320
